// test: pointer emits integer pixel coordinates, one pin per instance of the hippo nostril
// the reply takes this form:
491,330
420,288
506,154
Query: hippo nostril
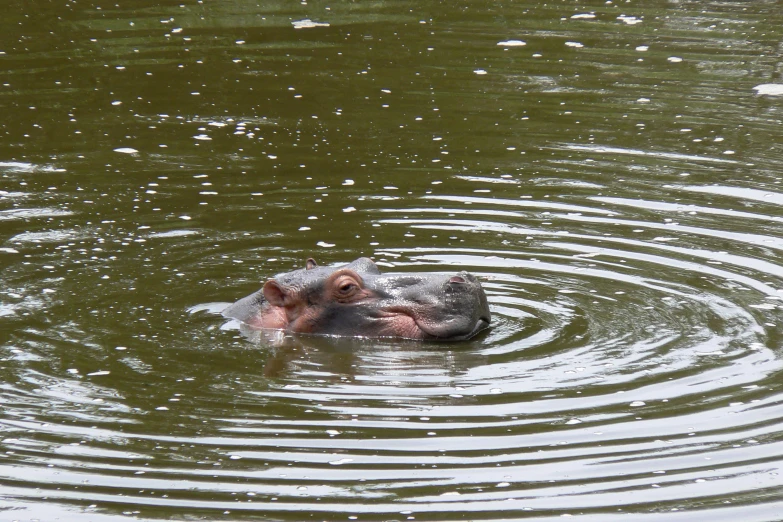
457,279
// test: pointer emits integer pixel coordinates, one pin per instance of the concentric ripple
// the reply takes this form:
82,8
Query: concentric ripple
638,373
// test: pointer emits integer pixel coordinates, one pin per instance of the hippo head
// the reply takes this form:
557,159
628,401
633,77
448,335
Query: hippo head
357,300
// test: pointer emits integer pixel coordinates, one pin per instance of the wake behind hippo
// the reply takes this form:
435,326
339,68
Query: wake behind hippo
357,300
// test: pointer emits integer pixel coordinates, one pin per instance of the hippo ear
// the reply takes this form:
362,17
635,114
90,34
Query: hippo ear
274,293
310,264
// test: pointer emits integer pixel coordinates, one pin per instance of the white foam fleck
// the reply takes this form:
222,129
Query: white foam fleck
512,43
769,89
39,237
30,213
630,20
308,24
763,306
174,233
126,150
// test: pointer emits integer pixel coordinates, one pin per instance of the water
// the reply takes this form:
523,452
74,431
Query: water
611,171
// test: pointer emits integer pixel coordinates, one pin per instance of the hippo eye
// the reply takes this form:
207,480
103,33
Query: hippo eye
347,287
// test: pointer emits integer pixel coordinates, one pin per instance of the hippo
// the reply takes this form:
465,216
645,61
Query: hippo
357,300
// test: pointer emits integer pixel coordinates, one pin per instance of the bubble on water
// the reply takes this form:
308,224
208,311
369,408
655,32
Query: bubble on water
324,244
480,71
583,16
636,404
575,45
126,150
674,59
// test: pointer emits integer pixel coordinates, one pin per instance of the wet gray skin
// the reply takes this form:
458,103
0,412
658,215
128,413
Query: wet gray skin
356,299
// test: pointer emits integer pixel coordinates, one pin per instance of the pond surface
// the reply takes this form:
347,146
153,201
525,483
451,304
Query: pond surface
610,170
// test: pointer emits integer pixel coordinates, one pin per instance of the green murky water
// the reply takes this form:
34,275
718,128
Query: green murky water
611,170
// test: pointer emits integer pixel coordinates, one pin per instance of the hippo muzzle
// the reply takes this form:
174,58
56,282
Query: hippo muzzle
357,300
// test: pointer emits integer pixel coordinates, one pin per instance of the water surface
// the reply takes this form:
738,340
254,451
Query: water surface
611,171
